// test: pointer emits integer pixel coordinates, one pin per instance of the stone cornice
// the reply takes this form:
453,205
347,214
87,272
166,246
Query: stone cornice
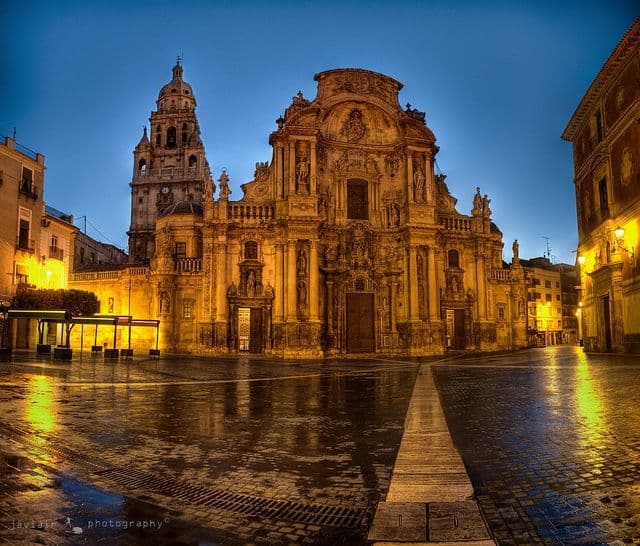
609,71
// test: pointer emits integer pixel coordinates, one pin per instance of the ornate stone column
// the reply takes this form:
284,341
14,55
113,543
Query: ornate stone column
414,314
280,283
314,284
481,284
412,196
432,285
292,167
330,331
221,284
429,175
290,282
312,174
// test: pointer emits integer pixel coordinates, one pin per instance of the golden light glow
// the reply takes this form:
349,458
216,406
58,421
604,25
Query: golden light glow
581,259
40,411
589,404
619,232
45,274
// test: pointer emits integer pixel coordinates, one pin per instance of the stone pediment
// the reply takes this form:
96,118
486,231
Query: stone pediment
358,83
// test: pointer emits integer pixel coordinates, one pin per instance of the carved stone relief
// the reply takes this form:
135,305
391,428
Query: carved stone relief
354,127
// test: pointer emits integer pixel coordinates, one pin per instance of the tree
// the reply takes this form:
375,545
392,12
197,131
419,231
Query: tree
77,302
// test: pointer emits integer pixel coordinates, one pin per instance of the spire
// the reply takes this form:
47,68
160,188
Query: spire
177,69
145,139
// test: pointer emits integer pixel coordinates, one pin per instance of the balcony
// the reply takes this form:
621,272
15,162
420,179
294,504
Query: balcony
56,253
170,173
28,189
503,275
26,245
188,265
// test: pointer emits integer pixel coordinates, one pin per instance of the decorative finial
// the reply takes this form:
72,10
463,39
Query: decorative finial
144,130
178,60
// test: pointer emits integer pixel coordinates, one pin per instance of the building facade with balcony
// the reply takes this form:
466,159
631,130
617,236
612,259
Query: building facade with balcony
21,191
552,302
605,133
347,241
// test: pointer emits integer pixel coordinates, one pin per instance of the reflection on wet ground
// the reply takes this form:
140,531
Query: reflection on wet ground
551,440
148,450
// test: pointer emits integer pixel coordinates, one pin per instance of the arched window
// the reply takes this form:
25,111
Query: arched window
142,166
251,250
158,135
184,133
453,258
193,161
171,137
357,200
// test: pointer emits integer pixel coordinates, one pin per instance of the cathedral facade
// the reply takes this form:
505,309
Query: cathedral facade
346,242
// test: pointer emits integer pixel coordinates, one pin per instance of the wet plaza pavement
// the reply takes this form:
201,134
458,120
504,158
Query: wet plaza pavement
233,451
551,441
197,451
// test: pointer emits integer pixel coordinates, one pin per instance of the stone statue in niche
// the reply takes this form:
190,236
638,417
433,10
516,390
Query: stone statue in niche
393,215
418,185
301,290
165,302
354,127
477,203
223,182
268,291
302,173
251,284
301,263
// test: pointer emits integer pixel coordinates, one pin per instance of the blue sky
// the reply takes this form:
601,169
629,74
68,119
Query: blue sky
498,81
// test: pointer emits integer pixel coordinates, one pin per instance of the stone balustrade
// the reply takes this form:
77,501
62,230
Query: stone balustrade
188,265
242,213
456,223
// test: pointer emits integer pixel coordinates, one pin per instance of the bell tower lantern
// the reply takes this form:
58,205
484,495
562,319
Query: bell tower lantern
169,164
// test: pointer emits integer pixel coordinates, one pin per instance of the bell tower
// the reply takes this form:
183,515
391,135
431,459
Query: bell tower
169,164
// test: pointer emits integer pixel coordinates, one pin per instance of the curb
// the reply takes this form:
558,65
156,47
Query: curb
430,498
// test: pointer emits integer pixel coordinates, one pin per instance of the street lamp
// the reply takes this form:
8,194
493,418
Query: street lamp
619,233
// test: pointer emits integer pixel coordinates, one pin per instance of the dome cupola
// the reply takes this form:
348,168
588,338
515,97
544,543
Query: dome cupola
177,94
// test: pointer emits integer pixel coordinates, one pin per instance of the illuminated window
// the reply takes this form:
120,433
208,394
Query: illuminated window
547,284
547,297
187,308
500,311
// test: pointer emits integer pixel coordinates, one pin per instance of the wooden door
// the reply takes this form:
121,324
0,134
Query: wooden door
255,335
360,323
459,341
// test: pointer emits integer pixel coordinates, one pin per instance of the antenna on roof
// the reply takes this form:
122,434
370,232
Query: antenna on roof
14,132
547,254
178,60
